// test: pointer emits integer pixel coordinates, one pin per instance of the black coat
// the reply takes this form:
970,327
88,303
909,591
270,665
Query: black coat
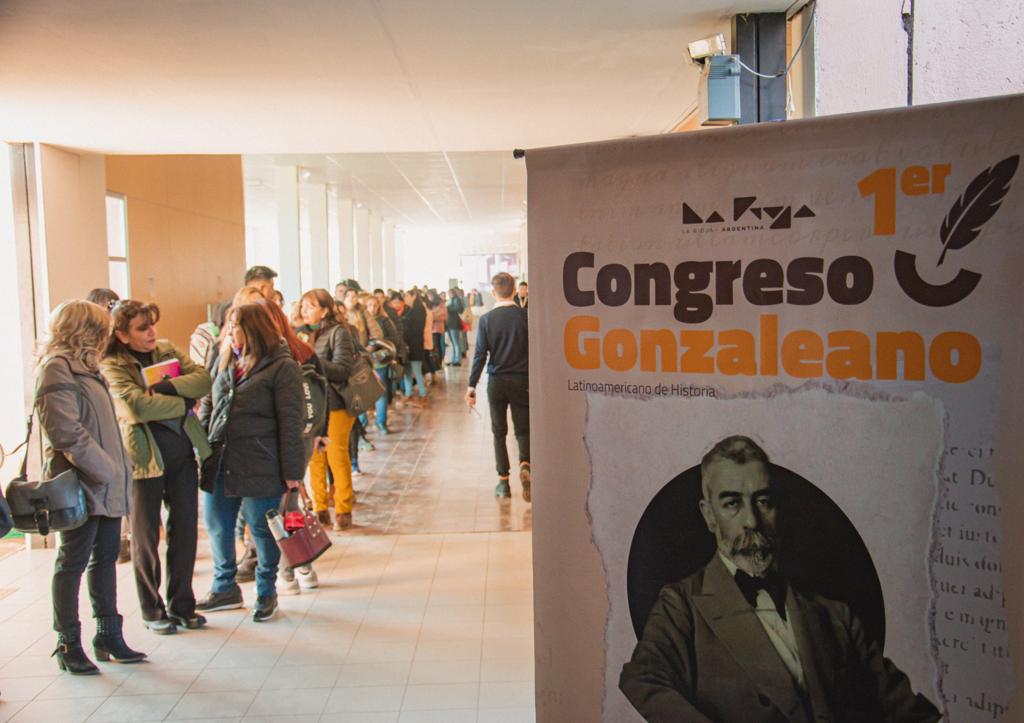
336,349
414,319
255,426
455,309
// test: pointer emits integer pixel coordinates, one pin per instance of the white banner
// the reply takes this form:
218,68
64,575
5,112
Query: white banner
775,382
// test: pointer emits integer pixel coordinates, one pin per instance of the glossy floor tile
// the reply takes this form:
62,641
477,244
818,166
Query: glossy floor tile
435,472
423,613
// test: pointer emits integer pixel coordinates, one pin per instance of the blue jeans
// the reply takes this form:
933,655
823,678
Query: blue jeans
220,514
383,373
414,368
456,345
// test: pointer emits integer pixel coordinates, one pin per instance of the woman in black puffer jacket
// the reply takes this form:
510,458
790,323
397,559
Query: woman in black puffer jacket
255,425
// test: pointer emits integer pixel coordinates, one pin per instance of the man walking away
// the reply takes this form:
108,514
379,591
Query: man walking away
502,342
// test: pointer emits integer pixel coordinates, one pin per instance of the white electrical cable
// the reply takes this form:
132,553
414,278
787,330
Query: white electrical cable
810,24
754,72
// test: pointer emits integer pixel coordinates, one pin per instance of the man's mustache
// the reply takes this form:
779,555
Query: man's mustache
753,543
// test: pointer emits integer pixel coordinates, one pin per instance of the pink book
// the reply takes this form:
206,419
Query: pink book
158,372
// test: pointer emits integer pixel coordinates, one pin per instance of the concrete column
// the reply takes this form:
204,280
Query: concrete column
959,46
17,325
343,255
860,56
286,189
388,252
53,232
362,231
318,263
71,194
400,257
376,277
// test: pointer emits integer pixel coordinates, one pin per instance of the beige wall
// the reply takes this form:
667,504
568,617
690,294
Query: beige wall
72,229
186,233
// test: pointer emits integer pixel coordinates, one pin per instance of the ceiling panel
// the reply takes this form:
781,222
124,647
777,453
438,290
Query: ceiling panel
485,189
379,76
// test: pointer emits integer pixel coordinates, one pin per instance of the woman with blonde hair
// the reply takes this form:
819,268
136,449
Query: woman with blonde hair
80,431
335,345
365,326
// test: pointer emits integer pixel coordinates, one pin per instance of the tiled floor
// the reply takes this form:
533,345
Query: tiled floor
437,476
404,627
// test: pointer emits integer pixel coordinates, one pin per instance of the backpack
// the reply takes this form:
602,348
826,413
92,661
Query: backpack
202,343
314,390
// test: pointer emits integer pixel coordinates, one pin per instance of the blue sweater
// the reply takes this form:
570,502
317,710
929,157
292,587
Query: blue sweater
502,342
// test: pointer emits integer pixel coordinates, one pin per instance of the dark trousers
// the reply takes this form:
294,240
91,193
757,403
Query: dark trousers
178,488
357,432
504,392
93,547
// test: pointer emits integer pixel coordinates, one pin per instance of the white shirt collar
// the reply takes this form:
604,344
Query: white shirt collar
729,564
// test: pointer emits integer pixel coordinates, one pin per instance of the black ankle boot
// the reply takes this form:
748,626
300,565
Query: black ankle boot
71,657
109,642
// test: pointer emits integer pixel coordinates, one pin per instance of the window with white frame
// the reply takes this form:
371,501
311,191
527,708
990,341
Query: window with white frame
117,244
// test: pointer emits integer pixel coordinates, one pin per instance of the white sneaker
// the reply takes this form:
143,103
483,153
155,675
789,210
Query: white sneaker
307,578
286,582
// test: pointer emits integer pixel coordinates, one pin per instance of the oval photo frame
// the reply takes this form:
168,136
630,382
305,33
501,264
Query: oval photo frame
821,550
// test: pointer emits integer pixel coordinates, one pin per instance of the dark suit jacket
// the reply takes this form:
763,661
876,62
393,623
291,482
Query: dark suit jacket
704,656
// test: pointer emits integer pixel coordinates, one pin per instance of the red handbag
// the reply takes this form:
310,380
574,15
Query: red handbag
306,539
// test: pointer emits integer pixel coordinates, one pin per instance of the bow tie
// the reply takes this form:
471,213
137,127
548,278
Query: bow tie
773,584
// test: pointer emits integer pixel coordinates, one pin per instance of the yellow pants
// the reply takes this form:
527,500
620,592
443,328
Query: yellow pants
339,424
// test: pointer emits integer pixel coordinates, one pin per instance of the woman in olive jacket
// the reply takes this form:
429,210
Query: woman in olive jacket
163,436
334,343
80,432
255,425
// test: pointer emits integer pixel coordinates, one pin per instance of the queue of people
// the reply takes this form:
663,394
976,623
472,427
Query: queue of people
150,429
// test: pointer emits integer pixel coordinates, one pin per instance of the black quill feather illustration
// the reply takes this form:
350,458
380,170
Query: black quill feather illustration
978,204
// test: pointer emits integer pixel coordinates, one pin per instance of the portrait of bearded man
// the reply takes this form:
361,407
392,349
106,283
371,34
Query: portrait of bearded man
738,641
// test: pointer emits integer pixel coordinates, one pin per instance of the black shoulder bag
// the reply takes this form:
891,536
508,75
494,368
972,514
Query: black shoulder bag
6,521
362,389
56,504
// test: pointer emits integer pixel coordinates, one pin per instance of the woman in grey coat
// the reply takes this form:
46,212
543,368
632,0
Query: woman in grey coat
80,431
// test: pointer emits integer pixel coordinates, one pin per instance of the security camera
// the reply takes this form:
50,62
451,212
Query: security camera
706,47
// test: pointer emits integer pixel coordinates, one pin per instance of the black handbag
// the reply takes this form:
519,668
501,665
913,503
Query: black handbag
56,504
6,521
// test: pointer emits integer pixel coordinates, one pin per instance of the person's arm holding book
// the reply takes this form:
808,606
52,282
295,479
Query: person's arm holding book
135,402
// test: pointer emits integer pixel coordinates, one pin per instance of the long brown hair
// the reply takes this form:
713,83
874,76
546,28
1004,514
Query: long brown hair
122,314
261,335
300,350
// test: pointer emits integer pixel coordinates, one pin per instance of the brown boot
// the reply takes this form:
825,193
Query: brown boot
342,521
524,479
324,518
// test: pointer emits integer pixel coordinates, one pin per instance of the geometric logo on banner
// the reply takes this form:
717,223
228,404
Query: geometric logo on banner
740,205
781,217
690,216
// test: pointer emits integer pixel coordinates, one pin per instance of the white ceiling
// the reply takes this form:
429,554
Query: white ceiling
346,76
482,189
